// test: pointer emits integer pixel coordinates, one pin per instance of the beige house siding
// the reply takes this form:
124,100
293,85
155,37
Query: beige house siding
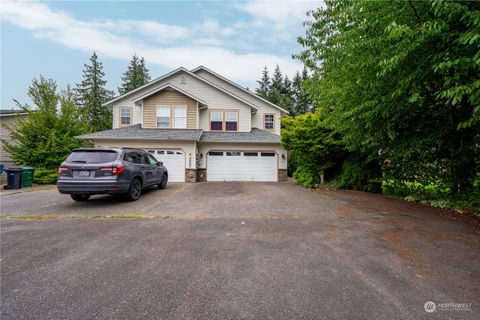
10,121
257,118
136,114
244,117
168,98
204,148
188,147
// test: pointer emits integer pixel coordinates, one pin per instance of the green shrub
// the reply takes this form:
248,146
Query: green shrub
45,176
417,190
435,194
358,176
306,177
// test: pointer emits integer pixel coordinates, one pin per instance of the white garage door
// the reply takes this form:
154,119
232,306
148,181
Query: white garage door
174,160
241,166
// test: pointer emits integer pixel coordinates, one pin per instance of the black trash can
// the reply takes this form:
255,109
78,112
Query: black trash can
14,178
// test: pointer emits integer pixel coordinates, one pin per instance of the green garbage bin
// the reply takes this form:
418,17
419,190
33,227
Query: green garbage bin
27,177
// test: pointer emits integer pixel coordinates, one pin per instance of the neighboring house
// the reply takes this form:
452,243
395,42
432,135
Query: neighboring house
202,126
8,118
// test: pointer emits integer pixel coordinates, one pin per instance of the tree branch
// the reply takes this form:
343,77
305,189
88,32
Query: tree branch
414,10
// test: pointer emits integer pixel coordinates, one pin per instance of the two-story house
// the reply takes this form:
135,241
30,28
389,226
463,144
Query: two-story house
202,126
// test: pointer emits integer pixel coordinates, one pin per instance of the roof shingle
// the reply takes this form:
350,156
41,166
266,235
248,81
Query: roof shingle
137,132
254,136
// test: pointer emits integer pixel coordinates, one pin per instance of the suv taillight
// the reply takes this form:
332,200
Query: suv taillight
62,169
115,170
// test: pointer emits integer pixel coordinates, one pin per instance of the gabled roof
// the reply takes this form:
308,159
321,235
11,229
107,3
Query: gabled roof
171,86
237,86
137,132
182,69
142,87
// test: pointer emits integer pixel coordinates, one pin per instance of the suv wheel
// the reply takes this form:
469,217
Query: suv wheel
135,190
80,197
163,182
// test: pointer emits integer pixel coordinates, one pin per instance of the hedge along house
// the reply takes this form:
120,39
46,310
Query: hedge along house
202,126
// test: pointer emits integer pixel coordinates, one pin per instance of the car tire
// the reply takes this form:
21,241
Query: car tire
163,182
80,197
135,190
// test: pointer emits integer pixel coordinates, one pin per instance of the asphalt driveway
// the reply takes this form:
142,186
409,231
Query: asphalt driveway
234,251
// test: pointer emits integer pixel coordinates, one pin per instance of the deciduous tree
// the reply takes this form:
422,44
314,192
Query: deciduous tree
46,136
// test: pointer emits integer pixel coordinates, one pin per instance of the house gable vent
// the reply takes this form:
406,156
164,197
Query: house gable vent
183,80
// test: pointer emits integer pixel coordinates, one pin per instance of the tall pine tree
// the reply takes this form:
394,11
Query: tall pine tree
276,85
264,84
136,75
296,94
91,94
277,80
301,102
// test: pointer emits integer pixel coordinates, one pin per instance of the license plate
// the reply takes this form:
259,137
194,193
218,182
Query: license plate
84,173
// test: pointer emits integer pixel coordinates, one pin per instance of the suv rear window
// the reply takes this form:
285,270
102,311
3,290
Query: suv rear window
92,156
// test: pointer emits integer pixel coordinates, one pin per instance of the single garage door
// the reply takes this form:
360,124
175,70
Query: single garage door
174,160
241,166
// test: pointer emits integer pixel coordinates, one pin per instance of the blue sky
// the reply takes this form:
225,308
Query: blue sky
235,39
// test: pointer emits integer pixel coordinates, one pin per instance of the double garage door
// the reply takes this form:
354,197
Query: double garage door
223,165
241,166
174,160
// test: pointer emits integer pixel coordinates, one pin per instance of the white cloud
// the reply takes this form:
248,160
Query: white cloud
119,39
284,18
158,32
282,14
211,26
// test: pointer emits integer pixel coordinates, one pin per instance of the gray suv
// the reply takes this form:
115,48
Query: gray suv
89,171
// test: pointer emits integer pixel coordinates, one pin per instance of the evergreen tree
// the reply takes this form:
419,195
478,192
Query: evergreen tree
296,94
286,86
277,80
91,94
264,84
136,75
275,92
304,74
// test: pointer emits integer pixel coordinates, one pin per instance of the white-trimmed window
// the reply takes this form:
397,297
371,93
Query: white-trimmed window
179,117
163,117
125,116
269,121
216,120
231,120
